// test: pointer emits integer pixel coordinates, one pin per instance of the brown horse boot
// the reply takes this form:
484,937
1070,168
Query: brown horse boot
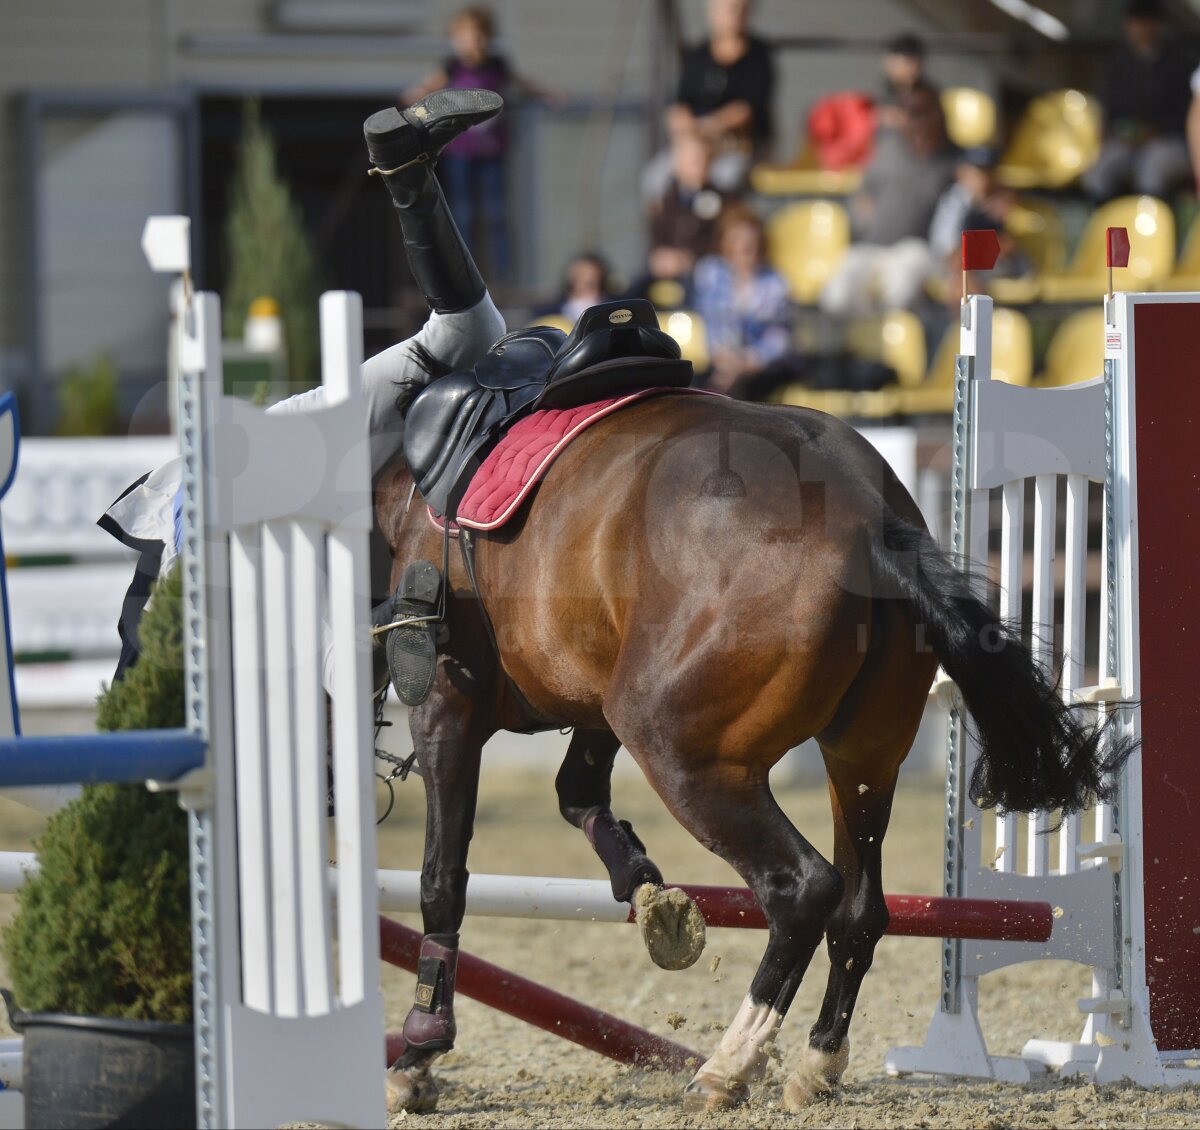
429,1028
404,145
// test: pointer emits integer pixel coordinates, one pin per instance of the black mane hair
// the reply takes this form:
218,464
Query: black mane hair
429,365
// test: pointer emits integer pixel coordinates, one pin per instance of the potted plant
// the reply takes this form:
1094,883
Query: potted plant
100,950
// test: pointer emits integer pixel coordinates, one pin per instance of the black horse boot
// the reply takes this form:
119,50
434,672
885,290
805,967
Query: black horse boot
404,145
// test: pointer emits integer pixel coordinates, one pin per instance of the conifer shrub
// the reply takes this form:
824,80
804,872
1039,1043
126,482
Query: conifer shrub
104,928
268,253
88,400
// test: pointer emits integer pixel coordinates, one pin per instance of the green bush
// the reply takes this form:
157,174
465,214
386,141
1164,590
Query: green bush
88,400
151,697
104,929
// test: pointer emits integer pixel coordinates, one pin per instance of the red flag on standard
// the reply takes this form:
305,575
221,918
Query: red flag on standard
980,250
1118,247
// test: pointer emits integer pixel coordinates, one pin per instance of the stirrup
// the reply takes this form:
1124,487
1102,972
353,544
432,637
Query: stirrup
412,636
422,159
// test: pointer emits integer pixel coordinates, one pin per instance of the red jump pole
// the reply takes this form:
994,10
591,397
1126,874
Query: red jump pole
912,916
537,1005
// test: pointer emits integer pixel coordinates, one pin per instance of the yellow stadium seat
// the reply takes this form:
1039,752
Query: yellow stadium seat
806,241
935,394
689,330
804,178
970,116
1037,229
1076,351
897,339
835,401
666,294
1012,347
1151,228
1057,138
557,321
1012,361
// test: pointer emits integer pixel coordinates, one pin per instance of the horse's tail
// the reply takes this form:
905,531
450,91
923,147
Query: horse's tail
1035,752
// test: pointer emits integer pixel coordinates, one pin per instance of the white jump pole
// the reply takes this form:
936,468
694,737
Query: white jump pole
513,896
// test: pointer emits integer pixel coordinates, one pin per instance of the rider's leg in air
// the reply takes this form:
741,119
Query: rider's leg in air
462,325
463,321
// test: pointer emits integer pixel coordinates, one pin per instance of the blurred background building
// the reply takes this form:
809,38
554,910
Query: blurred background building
109,112
802,250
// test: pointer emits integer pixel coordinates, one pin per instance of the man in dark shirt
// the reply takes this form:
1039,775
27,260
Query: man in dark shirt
1145,94
725,90
903,67
726,83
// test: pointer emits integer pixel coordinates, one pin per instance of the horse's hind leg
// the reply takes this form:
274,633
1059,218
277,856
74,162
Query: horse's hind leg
863,749
584,796
862,804
730,810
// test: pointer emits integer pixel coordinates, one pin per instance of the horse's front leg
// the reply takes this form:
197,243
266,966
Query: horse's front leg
672,927
448,736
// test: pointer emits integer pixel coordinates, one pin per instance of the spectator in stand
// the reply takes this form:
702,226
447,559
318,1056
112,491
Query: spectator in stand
682,224
725,92
1145,96
973,202
889,262
587,281
903,67
475,160
746,309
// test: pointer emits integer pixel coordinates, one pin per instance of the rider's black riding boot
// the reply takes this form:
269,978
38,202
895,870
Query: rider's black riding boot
404,145
412,616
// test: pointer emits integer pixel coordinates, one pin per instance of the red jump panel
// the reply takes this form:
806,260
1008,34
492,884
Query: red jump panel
1167,392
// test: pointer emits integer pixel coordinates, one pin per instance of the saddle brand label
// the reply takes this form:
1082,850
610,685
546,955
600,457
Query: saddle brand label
620,317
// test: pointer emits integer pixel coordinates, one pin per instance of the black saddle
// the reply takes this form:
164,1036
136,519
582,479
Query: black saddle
454,422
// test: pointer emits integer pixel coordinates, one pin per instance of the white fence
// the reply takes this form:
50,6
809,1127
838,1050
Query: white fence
67,577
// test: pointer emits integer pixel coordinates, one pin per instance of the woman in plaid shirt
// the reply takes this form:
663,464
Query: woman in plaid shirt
745,305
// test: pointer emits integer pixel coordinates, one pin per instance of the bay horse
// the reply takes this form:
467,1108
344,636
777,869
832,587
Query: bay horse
709,583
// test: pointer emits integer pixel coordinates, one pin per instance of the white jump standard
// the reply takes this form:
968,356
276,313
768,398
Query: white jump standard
277,510
1125,885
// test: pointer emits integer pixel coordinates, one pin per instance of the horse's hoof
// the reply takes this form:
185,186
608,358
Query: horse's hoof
817,1077
671,924
707,1094
411,1090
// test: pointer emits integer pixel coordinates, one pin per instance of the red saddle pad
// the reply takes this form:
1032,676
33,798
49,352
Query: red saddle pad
516,465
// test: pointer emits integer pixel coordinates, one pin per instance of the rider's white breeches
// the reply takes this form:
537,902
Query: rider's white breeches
457,340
